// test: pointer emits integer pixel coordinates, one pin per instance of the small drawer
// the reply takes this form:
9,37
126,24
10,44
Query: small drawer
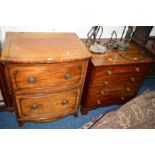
55,76
113,92
121,69
47,106
99,102
117,81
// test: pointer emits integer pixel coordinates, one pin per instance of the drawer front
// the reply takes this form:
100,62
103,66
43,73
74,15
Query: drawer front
106,101
56,76
112,94
47,106
117,82
100,92
137,69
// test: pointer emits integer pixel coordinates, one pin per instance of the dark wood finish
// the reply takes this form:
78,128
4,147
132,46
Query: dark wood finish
46,73
114,77
142,37
7,98
141,34
112,81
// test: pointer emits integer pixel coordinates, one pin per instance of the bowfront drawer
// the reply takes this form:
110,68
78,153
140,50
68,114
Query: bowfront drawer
137,69
47,106
54,76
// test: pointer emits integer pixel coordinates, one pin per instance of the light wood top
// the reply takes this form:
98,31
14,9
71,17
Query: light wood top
32,47
134,55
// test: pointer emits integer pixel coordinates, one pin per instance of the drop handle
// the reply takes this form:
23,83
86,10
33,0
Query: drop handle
64,102
102,92
128,89
109,72
31,80
122,98
98,102
137,69
106,82
34,106
133,79
68,76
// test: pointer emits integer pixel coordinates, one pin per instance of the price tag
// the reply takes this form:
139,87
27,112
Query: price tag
50,58
135,58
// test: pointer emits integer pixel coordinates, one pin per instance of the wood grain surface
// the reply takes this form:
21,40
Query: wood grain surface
45,74
135,55
62,76
43,48
52,105
114,77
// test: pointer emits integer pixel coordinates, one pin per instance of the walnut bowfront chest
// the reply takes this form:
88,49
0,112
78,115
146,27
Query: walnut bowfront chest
45,73
114,77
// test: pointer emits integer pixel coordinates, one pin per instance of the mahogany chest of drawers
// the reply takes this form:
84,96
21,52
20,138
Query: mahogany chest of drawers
114,77
45,73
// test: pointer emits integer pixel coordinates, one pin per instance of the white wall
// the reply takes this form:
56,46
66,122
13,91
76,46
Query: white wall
80,30
0,34
153,32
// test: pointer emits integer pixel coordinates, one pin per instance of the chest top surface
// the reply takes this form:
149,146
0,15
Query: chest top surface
134,55
31,47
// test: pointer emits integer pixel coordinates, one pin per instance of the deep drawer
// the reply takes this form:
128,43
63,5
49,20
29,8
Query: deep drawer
47,106
55,76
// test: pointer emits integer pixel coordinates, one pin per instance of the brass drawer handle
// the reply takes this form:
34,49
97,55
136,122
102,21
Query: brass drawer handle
133,79
106,82
98,102
128,89
137,69
109,72
102,92
34,106
68,76
64,102
31,80
122,98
